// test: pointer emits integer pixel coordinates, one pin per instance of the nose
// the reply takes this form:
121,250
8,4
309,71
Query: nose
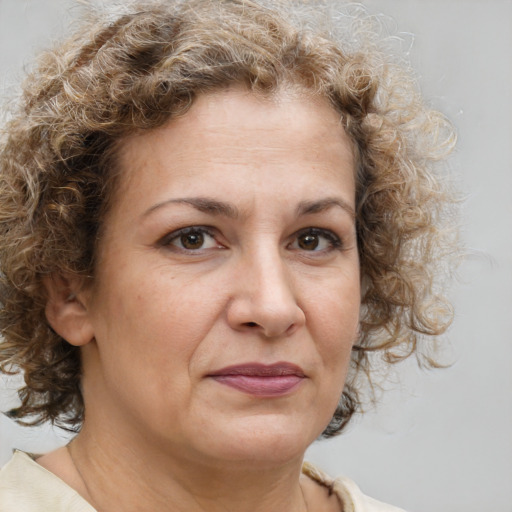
264,298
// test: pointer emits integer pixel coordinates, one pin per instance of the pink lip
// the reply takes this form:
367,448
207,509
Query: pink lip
261,380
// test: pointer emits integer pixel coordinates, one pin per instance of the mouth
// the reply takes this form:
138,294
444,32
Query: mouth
261,380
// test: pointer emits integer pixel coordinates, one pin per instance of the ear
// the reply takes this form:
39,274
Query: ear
65,311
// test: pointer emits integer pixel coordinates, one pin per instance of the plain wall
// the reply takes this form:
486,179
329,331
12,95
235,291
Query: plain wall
439,440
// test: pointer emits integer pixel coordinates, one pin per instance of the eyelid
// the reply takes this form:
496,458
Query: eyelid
166,240
335,240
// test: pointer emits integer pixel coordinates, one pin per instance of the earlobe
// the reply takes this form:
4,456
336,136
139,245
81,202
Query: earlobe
65,311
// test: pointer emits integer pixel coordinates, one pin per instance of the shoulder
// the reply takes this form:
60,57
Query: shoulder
348,493
25,486
355,501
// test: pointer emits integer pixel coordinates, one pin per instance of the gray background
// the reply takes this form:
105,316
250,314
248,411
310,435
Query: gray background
438,440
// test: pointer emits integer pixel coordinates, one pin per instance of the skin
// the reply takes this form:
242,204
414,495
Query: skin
274,278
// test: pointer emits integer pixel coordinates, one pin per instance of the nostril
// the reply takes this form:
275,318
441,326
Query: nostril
251,324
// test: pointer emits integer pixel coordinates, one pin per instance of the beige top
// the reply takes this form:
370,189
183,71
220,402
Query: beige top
25,486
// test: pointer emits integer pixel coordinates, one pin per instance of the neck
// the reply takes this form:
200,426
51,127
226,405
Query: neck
128,475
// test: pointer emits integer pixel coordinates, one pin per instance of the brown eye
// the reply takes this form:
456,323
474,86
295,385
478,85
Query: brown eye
308,241
316,240
191,241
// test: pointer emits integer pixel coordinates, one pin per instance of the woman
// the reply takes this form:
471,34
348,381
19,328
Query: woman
212,217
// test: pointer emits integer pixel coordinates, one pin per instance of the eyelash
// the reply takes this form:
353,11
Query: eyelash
334,241
167,240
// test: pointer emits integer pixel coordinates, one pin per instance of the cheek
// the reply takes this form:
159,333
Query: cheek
334,307
334,321
333,326
166,320
148,340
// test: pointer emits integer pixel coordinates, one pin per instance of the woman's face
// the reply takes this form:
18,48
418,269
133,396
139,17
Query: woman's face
226,299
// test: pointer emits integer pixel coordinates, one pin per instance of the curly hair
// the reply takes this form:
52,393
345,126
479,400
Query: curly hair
135,67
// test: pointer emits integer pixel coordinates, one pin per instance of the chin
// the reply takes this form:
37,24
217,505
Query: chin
264,442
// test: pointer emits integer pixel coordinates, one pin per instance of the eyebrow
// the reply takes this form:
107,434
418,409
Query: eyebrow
203,204
311,207
215,207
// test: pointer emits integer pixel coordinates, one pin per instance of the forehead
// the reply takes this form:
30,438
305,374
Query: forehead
229,133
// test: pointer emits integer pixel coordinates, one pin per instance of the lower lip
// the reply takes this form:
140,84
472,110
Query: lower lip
269,386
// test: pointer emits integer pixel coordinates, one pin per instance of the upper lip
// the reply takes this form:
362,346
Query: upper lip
260,370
